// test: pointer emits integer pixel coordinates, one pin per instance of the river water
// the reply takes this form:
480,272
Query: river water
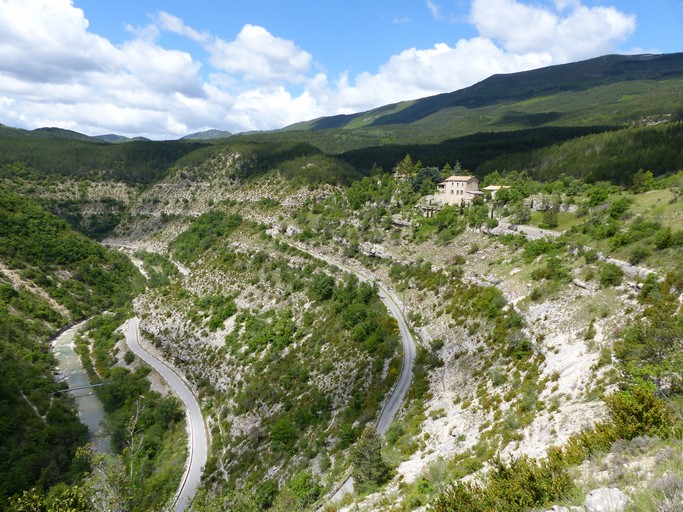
90,410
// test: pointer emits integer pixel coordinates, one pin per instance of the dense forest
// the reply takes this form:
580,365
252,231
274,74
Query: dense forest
135,162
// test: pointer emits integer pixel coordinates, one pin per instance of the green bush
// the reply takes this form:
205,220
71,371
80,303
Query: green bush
321,287
509,487
611,275
591,256
639,412
638,254
283,435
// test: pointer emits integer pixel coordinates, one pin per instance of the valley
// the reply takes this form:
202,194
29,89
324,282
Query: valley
324,321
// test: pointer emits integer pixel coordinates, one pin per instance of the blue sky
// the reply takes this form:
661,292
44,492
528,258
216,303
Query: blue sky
166,68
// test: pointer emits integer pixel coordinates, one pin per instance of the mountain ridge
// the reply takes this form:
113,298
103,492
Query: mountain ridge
557,78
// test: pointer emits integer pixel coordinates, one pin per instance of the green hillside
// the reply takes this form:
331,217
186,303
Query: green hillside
505,122
649,71
50,152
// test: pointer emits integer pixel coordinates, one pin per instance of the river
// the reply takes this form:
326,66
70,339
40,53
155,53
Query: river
90,409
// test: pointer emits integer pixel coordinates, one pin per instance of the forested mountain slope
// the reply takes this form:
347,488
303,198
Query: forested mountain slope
516,88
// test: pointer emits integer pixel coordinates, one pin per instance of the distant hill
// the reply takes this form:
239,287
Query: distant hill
59,133
512,121
43,133
207,135
512,88
112,137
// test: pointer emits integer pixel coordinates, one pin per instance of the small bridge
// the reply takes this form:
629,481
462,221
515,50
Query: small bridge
79,388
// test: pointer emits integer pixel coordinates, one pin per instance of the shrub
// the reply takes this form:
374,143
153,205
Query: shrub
535,248
513,487
283,435
305,489
611,275
460,497
321,287
129,357
591,256
639,412
638,254
550,219
663,238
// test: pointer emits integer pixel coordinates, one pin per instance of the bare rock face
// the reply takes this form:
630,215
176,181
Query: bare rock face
375,251
606,500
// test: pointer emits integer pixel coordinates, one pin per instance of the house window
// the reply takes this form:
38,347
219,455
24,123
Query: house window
451,192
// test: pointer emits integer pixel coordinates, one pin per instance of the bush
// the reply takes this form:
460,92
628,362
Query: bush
283,435
515,487
611,275
591,256
305,489
639,412
550,219
321,287
638,254
129,357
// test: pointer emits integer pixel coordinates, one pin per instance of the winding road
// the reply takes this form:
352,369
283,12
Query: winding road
198,446
398,392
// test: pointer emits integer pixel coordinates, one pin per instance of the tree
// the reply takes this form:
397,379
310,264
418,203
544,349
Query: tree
115,483
425,180
550,218
321,287
369,468
406,167
477,214
643,181
67,499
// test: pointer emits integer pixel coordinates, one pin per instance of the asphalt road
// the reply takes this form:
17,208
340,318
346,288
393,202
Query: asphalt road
406,376
198,446
400,389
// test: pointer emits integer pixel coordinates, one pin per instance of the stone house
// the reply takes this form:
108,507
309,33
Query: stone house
457,190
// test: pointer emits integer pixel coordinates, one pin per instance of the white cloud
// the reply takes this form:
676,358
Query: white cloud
435,9
55,72
259,56
170,23
42,39
579,33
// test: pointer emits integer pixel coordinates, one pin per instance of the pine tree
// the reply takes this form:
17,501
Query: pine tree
369,468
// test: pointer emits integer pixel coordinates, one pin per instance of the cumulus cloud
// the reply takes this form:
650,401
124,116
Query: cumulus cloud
55,72
581,32
513,37
257,55
48,39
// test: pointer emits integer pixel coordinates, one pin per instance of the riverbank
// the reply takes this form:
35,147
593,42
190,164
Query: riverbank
90,408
